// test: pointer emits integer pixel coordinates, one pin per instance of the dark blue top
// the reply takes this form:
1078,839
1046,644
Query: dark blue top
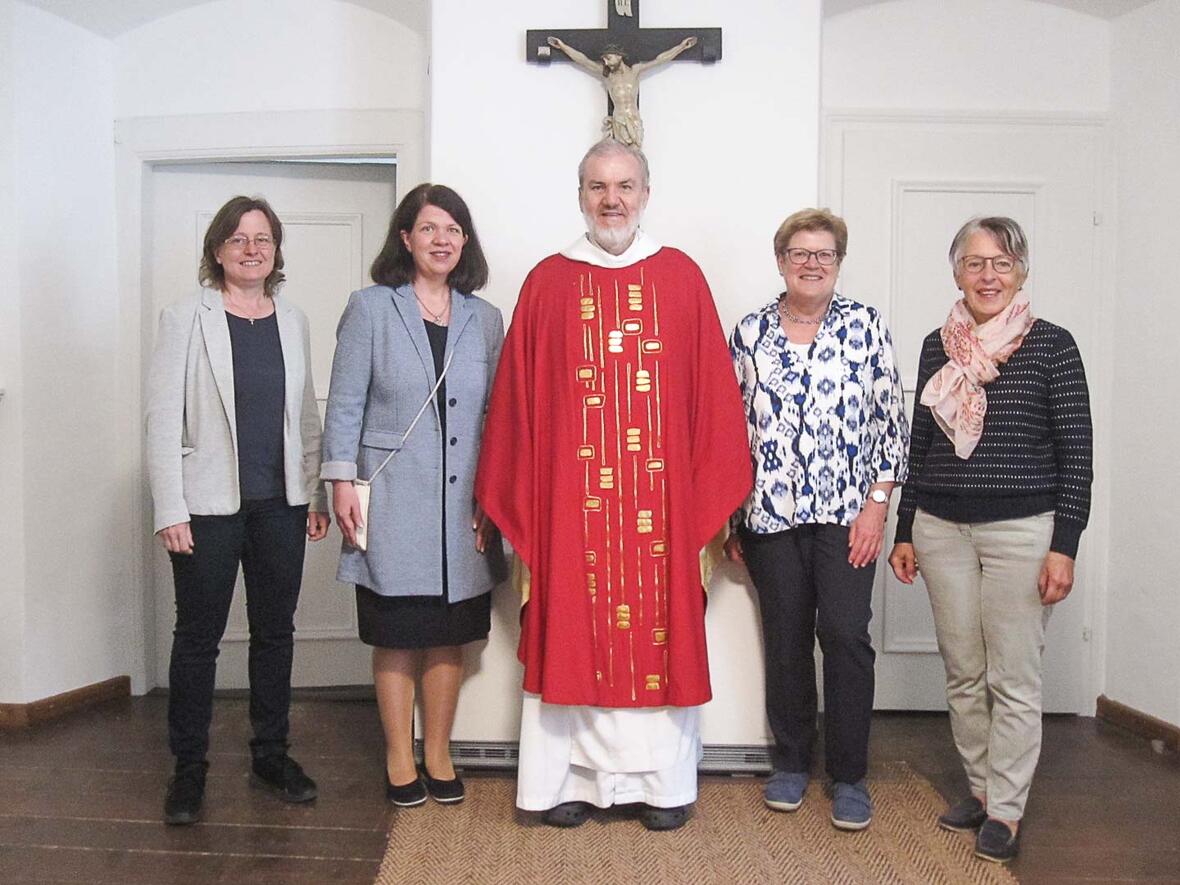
1035,454
259,390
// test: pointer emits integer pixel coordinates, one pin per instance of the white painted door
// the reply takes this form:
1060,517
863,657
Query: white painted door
334,216
904,185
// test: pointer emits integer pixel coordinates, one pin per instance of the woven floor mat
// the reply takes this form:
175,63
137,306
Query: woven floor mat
731,838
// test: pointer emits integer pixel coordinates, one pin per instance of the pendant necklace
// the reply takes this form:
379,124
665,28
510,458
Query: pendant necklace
437,317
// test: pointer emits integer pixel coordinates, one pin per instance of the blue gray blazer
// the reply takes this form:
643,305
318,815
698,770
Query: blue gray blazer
382,372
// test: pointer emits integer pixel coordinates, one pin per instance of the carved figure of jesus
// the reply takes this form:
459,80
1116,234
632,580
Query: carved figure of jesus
621,82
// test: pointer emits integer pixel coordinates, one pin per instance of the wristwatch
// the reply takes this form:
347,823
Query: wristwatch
879,496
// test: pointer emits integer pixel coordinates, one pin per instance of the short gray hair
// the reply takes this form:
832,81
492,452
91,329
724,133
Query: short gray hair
1006,232
610,146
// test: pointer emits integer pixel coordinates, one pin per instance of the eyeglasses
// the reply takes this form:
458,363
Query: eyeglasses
826,257
1001,264
262,242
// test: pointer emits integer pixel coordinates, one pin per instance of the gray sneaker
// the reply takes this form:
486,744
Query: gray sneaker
852,809
784,790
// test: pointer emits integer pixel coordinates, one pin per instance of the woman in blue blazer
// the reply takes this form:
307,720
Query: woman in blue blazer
233,452
423,581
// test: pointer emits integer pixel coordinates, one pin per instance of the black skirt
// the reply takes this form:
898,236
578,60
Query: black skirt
421,621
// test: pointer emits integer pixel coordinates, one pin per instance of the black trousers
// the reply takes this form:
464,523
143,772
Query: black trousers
806,588
267,538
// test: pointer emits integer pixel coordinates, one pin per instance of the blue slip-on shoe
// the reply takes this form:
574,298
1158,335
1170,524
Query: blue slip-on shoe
995,842
965,815
784,790
852,809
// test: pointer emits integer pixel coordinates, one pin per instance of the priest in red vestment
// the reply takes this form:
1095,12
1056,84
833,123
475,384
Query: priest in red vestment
615,448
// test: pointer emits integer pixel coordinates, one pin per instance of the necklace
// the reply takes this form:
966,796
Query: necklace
805,321
437,317
245,314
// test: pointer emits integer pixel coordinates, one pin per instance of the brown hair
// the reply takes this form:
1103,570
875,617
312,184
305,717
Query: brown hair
394,265
812,219
222,227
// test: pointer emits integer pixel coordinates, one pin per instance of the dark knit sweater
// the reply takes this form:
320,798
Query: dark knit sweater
1035,452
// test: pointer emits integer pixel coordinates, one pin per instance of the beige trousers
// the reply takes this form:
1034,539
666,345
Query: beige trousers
990,624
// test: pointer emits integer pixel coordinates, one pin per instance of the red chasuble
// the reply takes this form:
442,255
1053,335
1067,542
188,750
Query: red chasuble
615,448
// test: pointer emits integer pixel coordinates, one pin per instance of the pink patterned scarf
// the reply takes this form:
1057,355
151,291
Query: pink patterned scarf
955,392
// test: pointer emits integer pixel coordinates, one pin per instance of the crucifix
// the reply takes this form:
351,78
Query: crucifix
624,51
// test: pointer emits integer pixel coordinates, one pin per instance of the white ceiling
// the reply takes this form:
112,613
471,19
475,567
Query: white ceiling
110,18
1099,8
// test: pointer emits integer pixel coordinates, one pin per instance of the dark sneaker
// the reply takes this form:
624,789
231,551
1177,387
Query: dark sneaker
965,815
852,809
664,818
995,842
282,775
405,795
784,790
568,814
447,792
186,794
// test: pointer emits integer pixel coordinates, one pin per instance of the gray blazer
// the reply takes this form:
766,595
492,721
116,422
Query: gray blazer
192,433
382,373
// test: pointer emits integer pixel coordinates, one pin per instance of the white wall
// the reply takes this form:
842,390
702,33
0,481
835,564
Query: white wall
1011,55
12,551
732,146
733,149
1143,664
63,81
269,55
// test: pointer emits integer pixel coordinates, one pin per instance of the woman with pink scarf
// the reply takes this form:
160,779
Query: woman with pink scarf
996,500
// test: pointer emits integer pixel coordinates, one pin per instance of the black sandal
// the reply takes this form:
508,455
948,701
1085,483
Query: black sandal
568,814
664,818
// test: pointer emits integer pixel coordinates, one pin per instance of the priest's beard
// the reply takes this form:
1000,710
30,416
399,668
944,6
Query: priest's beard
614,240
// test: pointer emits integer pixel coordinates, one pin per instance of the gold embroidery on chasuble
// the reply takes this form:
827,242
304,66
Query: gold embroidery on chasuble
621,454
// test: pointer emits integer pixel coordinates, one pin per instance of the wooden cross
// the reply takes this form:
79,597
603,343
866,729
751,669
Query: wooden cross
631,49
623,30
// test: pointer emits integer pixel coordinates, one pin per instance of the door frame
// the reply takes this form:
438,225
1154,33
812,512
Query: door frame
1093,569
142,144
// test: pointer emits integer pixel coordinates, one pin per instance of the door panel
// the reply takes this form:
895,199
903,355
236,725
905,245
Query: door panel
334,221
905,185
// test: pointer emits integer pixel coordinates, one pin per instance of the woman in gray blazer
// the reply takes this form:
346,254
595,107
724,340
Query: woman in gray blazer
233,452
423,581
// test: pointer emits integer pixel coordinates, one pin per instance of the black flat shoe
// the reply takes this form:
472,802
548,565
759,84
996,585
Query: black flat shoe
447,792
664,818
997,843
965,815
405,795
568,814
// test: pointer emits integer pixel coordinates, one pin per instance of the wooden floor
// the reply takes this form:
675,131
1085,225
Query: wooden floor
80,800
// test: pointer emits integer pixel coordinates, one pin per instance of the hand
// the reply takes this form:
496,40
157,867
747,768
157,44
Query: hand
688,42
177,538
317,525
1056,578
866,535
485,530
556,43
905,562
347,506
733,548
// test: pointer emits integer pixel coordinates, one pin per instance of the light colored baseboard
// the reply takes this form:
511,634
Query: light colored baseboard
717,758
14,716
1140,723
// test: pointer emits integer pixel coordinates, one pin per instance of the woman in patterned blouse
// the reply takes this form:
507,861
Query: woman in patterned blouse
998,496
828,439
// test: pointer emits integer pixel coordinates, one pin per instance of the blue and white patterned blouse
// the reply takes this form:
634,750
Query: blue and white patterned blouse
824,425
